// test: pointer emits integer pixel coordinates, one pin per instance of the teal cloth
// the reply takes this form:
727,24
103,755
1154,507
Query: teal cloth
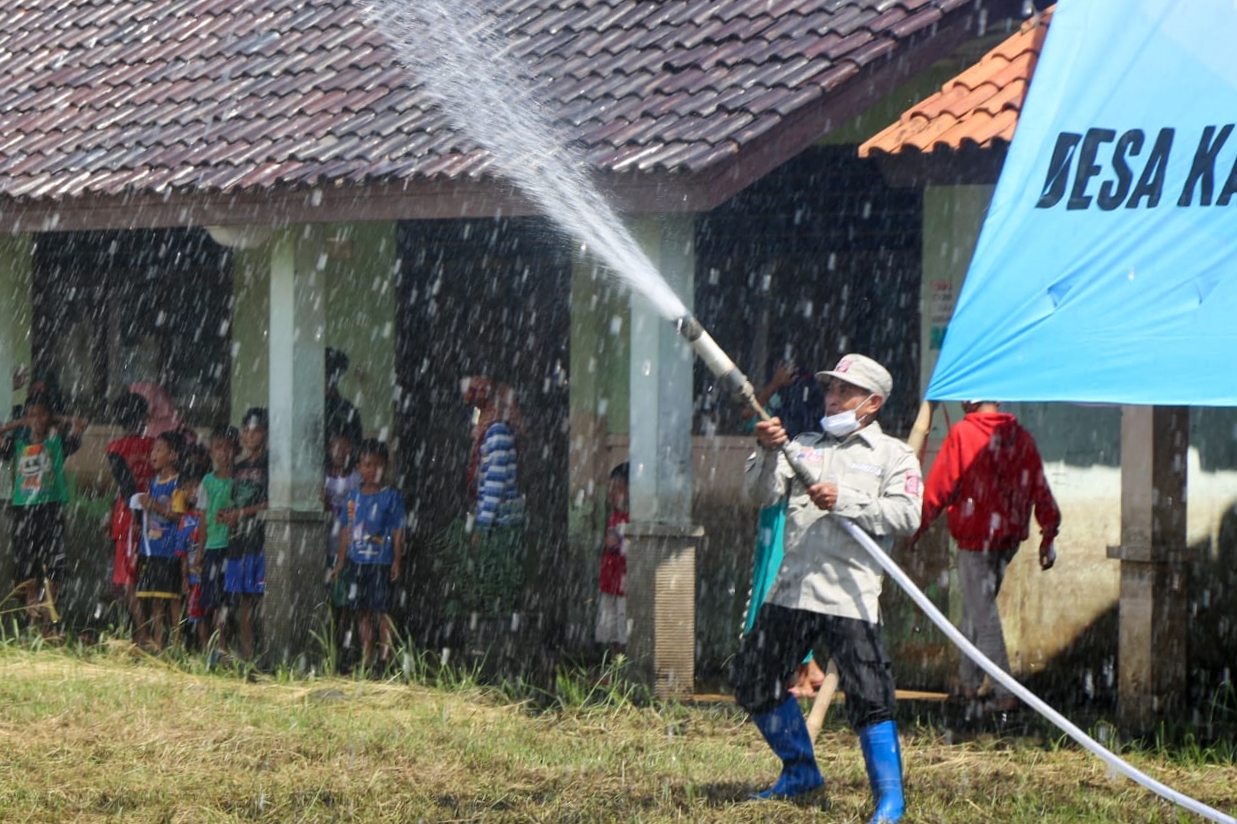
770,547
769,550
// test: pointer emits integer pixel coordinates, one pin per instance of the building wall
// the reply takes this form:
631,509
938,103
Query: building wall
251,313
598,351
15,315
359,278
361,269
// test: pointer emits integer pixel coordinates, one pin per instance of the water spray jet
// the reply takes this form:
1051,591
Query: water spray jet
733,381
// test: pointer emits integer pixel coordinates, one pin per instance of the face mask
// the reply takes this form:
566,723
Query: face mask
843,423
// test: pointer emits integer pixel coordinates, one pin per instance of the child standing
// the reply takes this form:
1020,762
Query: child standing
244,577
160,576
342,479
38,446
612,599
215,497
371,540
191,530
129,459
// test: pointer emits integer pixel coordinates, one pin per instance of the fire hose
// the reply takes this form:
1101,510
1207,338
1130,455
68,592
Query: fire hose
738,385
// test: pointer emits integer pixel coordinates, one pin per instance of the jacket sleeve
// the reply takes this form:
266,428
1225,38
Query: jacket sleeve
763,481
1046,511
898,506
123,476
70,444
941,487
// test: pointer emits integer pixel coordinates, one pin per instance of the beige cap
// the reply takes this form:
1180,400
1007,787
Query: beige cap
861,371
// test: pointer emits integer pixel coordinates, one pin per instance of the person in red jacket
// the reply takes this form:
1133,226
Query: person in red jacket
989,476
129,459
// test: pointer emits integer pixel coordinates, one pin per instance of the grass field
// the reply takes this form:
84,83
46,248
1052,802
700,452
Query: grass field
106,734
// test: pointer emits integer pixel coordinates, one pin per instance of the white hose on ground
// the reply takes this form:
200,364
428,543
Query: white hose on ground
1025,695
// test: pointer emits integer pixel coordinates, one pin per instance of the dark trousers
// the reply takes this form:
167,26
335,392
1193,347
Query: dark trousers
780,639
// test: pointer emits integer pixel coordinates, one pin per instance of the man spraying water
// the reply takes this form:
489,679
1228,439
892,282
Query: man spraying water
828,587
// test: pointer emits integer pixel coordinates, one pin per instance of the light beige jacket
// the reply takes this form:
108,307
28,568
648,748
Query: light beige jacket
879,488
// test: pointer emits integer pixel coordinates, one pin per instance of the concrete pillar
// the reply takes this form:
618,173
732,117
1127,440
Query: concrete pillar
661,569
1152,634
294,522
591,316
598,340
16,273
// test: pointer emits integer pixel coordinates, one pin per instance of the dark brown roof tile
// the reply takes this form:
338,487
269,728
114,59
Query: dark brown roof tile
730,99
826,45
706,156
839,49
872,50
123,95
836,76
629,106
889,17
672,156
787,105
848,20
916,22
797,73
630,158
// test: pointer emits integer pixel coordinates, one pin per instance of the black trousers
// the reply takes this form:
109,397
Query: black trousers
38,542
782,637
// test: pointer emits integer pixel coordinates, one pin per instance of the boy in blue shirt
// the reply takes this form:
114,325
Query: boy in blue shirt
371,541
244,575
159,577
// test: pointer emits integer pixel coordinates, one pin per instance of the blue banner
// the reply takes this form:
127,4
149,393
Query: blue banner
1106,270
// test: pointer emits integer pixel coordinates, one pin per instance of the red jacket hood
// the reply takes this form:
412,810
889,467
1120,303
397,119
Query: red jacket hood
992,422
989,476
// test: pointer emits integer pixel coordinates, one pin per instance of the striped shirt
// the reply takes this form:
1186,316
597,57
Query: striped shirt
498,496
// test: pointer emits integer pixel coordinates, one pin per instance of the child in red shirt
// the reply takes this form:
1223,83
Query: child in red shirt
612,583
129,458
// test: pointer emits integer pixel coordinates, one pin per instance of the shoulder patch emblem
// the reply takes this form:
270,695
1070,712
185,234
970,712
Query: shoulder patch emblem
913,484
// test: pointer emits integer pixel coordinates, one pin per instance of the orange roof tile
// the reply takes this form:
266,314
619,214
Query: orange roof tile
979,107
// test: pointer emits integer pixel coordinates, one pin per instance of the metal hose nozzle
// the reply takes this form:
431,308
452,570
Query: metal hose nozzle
733,380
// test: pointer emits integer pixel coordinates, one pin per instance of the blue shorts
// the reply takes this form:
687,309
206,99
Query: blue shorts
210,596
245,575
370,590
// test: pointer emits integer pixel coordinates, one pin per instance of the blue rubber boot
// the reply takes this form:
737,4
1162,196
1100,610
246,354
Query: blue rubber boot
883,757
786,732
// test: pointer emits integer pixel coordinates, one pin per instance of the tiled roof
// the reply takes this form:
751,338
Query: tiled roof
977,109
106,98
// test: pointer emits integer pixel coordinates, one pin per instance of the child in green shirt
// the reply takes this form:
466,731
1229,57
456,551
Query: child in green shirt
38,444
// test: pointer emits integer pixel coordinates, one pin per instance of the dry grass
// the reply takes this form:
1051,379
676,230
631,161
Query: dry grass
107,736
